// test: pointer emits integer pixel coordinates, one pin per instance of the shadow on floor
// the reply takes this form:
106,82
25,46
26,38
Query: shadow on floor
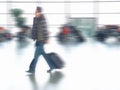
52,82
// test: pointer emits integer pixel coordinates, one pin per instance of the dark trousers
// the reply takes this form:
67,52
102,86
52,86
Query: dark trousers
39,51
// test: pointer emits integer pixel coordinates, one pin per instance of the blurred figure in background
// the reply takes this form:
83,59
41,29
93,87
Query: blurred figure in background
67,32
5,34
40,35
25,32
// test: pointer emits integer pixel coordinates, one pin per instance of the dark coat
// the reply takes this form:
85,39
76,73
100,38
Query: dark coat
39,29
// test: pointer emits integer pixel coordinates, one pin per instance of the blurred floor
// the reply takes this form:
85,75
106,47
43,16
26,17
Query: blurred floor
89,66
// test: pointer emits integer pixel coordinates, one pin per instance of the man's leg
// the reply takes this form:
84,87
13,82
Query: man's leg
51,65
38,52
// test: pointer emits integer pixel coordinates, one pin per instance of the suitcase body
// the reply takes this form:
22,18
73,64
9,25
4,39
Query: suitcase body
56,60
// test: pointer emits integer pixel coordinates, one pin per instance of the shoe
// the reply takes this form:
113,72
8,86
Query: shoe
32,72
49,71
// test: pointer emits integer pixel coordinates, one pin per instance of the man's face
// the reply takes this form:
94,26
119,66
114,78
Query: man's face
37,14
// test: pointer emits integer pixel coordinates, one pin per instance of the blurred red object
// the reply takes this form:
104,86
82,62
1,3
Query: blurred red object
66,30
1,28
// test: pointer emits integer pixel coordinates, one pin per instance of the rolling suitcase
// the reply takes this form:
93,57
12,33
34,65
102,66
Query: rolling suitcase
56,60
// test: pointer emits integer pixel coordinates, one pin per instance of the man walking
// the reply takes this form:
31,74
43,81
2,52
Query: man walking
40,35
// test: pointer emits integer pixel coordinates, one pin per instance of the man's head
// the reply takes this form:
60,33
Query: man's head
38,11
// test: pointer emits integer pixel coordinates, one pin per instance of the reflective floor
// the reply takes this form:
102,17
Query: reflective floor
89,66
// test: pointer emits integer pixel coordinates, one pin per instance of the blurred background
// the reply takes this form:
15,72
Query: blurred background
88,16
84,33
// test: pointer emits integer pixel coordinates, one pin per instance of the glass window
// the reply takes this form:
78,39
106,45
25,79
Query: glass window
56,10
26,7
82,7
53,7
52,19
29,19
109,19
111,7
3,7
3,19
55,19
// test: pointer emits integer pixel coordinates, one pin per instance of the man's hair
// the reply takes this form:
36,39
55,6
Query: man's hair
39,9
